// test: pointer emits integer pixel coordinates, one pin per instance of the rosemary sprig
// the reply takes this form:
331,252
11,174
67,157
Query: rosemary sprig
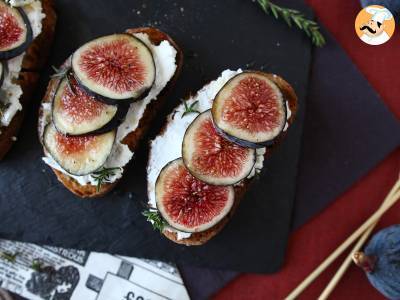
156,220
291,16
190,109
11,257
102,176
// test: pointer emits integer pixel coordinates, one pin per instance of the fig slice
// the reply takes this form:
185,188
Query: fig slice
211,158
15,31
115,68
78,155
75,112
187,203
250,110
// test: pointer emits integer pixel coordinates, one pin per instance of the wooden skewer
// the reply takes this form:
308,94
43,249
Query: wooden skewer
343,268
346,263
373,219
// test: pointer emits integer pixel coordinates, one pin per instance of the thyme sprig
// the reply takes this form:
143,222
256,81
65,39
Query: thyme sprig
156,220
37,265
292,16
60,73
189,109
103,176
8,256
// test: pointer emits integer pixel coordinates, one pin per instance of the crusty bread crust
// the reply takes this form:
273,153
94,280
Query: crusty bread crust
200,238
34,60
38,52
132,139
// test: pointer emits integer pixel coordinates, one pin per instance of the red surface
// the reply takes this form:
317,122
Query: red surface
313,242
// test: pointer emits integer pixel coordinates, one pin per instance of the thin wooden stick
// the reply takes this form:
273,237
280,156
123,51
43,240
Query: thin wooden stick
343,268
306,282
349,259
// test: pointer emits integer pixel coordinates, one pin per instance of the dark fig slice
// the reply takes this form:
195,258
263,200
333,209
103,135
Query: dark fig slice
15,31
211,158
2,72
116,68
78,155
187,203
75,112
250,110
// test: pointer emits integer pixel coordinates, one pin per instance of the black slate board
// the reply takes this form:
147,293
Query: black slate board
215,36
352,149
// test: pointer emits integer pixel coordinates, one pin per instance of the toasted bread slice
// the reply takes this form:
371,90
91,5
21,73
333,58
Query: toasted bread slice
200,238
33,61
133,138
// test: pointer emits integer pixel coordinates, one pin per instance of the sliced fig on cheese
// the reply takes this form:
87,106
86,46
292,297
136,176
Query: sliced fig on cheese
250,110
187,203
75,112
212,158
15,31
2,72
78,155
116,68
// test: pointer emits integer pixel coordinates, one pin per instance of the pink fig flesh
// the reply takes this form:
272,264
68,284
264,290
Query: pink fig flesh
189,204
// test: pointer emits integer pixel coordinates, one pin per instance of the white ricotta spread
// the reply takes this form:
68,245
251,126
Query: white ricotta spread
168,146
165,60
35,14
11,92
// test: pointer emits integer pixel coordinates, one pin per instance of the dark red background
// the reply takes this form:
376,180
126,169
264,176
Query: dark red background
309,245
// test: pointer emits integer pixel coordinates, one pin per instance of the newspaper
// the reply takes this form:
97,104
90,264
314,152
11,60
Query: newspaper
43,272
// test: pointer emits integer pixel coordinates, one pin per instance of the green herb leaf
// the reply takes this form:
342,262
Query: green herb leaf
274,10
156,220
11,257
103,176
36,265
60,74
310,27
190,109
286,16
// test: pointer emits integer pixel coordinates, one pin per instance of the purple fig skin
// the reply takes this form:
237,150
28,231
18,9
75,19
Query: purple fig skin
145,92
5,55
111,125
3,70
385,274
241,142
111,101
